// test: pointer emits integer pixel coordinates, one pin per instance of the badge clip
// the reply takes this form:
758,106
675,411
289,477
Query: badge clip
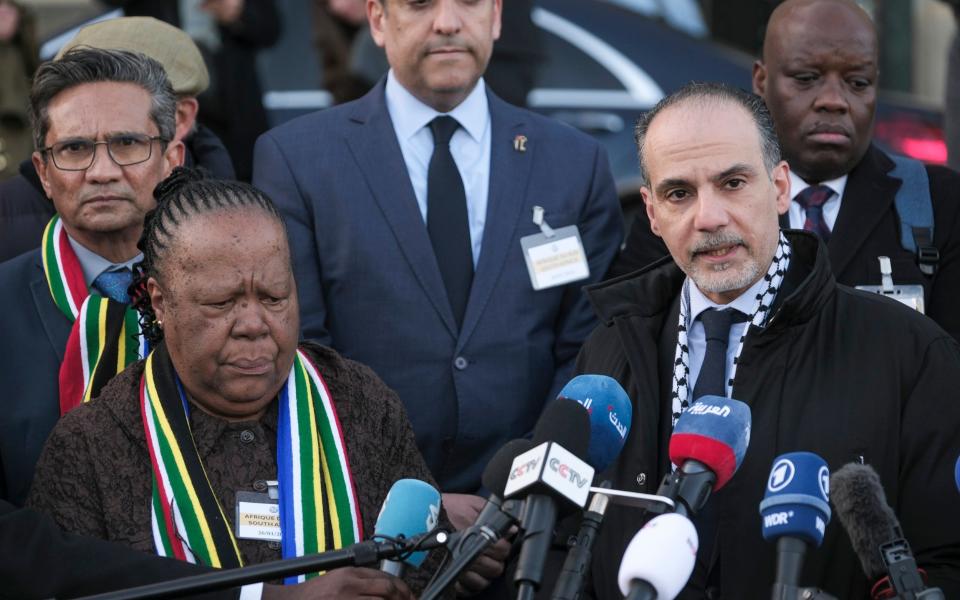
538,213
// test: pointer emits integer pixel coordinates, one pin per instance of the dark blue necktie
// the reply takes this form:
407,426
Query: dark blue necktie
812,200
114,285
712,380
447,218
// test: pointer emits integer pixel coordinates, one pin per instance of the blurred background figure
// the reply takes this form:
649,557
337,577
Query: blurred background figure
229,34
951,109
18,61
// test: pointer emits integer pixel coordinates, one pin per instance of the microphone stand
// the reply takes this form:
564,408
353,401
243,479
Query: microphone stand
362,554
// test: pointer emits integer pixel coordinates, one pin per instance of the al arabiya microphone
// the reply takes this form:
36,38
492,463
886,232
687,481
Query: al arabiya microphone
795,512
659,559
875,534
412,508
708,444
550,477
611,415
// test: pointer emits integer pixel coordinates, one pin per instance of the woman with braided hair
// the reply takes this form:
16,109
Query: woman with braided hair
229,444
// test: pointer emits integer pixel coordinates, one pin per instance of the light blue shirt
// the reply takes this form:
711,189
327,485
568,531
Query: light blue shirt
470,147
697,336
831,208
92,264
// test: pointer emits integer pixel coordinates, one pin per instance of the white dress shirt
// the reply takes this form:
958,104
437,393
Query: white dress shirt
92,264
831,208
470,147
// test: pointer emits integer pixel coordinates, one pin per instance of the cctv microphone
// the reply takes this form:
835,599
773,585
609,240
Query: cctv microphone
659,559
875,534
549,477
412,508
795,511
707,446
611,415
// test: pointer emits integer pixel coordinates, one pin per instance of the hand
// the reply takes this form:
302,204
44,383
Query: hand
462,509
487,567
225,12
348,582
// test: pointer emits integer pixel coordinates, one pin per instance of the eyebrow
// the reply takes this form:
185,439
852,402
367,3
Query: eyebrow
108,135
737,169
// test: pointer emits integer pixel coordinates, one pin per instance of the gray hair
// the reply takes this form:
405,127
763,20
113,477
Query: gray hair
92,65
716,93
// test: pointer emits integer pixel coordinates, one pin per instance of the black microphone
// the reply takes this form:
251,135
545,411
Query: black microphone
551,476
574,570
875,534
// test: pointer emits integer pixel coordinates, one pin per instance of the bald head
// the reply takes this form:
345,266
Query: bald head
818,76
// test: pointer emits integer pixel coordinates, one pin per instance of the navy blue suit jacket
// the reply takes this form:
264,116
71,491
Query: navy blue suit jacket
34,336
370,287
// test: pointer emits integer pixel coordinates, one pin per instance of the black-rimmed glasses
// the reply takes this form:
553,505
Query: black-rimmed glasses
125,149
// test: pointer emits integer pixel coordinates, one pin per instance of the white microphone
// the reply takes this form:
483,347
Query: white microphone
659,559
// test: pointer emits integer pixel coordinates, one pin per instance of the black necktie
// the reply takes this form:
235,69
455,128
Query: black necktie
812,200
712,380
447,218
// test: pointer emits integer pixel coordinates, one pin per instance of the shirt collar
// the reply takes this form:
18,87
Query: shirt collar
92,264
797,185
745,302
410,115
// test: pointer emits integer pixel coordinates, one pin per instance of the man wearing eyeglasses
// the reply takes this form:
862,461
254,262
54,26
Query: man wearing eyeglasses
103,121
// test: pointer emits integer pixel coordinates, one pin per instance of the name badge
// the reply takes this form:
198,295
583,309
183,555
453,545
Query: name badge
554,256
910,295
258,517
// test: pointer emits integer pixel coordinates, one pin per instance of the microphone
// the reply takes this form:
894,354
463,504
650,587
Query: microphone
412,508
875,534
795,510
549,476
659,559
707,446
611,414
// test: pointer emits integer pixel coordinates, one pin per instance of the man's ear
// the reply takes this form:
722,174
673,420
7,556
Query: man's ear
780,176
759,78
647,196
173,157
187,109
376,13
41,167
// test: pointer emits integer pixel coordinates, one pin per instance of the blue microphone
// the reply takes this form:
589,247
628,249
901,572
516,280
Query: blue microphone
795,511
412,508
611,415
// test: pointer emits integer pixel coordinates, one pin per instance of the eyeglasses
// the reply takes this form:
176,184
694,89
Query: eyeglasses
125,150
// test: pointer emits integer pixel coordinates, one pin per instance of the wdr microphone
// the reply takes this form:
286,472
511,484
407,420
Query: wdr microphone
611,415
795,512
412,508
707,446
659,559
875,534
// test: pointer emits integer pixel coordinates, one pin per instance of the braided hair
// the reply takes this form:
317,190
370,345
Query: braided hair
183,195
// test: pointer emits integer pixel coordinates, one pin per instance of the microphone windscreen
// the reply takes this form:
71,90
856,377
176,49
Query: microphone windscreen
412,508
956,474
797,500
498,469
567,424
611,415
861,506
714,431
662,553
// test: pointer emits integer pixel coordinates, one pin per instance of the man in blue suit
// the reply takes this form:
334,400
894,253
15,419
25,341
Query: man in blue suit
405,211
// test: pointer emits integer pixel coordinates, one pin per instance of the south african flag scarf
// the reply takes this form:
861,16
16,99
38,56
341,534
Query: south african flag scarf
318,503
105,336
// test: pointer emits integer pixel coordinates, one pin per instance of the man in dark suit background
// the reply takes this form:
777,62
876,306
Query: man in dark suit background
407,252
818,76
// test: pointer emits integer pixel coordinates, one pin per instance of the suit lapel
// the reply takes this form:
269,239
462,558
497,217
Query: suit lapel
868,196
55,324
509,178
377,151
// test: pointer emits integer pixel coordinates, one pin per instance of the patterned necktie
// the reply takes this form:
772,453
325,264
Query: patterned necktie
447,218
712,378
812,200
114,284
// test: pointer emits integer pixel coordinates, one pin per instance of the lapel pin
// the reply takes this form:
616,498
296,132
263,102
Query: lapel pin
520,143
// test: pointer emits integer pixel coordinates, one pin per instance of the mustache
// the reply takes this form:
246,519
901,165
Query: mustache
447,42
125,194
820,127
713,241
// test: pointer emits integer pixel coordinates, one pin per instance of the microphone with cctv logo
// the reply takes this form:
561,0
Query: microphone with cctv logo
876,536
412,508
795,511
659,559
550,476
707,446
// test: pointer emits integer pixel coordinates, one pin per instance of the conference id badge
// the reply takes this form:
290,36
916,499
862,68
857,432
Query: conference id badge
554,256
258,517
910,295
